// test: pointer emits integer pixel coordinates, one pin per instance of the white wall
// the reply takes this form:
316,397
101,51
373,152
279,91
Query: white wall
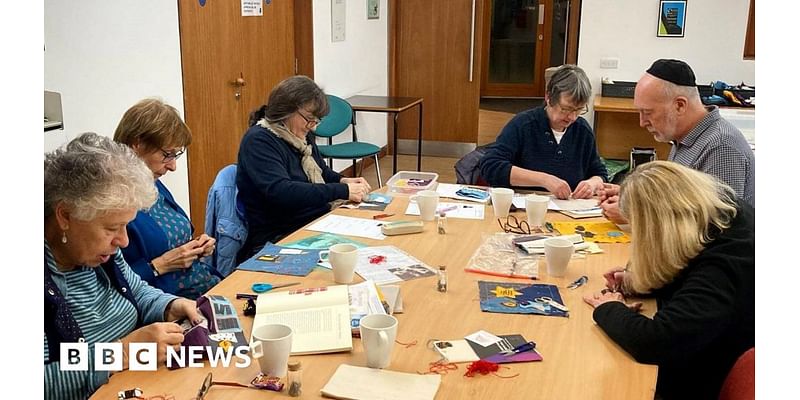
104,56
626,29
357,65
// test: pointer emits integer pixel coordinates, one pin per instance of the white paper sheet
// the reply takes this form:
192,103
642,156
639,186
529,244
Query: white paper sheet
349,382
349,226
395,265
453,210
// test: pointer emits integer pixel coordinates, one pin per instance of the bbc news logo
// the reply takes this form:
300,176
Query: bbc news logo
144,356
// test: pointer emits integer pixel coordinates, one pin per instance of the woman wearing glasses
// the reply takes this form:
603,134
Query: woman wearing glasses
283,182
161,248
550,147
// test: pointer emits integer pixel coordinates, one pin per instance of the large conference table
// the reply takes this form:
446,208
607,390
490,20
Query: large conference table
580,361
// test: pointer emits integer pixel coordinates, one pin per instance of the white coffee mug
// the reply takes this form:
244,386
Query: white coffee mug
378,332
536,209
343,258
557,252
427,201
271,346
501,201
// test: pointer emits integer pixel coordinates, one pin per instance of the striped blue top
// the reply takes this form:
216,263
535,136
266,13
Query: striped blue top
103,315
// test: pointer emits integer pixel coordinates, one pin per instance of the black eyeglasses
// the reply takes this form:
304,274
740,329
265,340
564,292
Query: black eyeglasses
171,155
310,123
512,225
208,382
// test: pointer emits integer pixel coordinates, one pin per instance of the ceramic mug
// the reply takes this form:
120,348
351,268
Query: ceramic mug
343,258
271,346
378,332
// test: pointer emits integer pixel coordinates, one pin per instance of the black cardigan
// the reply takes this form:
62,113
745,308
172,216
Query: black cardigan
705,318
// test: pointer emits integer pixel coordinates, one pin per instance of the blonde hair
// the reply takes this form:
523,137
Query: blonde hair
153,124
674,211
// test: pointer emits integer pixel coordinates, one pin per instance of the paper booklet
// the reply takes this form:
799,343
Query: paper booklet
319,317
349,382
365,299
462,192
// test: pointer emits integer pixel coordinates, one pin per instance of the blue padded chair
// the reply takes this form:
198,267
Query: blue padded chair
340,117
225,220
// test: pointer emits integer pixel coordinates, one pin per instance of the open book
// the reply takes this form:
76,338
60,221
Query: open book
319,317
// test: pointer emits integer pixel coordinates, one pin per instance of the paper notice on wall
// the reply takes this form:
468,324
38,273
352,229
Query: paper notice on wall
338,14
252,8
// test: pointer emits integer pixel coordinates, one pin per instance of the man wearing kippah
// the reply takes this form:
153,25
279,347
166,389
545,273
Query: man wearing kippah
670,108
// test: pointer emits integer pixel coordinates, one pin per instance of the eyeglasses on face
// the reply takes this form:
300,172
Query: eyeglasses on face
513,225
171,155
565,110
311,123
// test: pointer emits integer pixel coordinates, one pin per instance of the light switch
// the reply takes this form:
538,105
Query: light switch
609,63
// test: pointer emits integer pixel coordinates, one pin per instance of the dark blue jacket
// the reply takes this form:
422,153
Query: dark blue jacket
148,241
528,142
277,195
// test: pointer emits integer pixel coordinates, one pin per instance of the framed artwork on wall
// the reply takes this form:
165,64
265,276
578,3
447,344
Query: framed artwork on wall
671,18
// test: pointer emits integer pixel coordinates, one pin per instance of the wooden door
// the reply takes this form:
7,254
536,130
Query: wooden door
430,54
523,38
230,63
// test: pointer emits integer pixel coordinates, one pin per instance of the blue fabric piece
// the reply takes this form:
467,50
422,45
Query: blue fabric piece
277,195
528,142
225,221
148,240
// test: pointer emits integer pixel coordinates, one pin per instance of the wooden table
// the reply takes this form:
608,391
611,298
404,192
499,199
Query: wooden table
580,361
617,130
394,106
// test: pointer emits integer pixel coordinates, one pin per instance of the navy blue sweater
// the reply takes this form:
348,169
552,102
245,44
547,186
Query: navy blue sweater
528,142
277,195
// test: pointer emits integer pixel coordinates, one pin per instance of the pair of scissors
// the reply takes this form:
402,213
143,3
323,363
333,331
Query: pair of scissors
549,301
266,287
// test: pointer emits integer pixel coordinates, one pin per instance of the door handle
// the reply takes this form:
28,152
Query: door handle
238,83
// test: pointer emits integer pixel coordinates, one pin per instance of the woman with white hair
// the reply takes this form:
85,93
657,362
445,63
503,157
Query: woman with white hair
92,188
693,249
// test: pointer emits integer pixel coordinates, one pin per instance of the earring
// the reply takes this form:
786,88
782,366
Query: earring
64,237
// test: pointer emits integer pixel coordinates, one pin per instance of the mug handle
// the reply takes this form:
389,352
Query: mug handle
257,349
413,199
324,255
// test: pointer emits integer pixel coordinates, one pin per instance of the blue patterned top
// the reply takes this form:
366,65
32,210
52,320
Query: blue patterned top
192,282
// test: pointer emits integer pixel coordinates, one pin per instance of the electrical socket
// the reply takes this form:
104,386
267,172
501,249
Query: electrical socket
609,63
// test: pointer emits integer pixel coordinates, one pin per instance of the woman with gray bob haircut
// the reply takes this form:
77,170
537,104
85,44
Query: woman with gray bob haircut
550,147
93,187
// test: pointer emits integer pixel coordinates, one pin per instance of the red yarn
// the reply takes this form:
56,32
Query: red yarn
485,368
481,367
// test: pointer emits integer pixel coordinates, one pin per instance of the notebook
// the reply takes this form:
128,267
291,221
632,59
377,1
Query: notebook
319,317
349,382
